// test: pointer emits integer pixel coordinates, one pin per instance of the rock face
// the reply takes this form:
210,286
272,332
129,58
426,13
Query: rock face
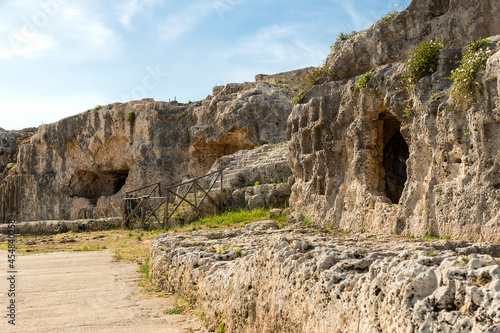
9,147
259,279
260,177
363,162
456,21
81,166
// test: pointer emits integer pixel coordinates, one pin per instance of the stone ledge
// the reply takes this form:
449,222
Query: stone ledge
54,227
260,279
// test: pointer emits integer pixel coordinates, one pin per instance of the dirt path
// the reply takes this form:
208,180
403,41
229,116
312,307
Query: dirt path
84,292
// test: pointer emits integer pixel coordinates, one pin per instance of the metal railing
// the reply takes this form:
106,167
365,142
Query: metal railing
156,199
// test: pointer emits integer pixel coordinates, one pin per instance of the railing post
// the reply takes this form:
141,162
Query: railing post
221,190
143,214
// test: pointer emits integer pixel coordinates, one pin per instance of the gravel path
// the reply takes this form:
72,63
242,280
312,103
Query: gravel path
84,292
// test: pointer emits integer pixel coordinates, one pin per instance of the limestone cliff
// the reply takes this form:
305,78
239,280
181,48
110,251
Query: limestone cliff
81,166
385,160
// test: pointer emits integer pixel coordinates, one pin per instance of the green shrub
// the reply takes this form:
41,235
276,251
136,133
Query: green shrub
343,37
312,78
388,17
130,118
423,61
144,268
465,76
362,81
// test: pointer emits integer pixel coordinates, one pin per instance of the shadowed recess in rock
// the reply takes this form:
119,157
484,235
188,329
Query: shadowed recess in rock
394,162
95,184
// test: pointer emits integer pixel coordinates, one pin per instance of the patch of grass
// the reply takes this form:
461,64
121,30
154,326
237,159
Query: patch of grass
144,267
465,77
423,61
307,220
239,253
180,306
92,247
222,328
465,260
388,17
129,248
315,76
175,310
431,253
96,108
118,255
361,82
233,218
344,37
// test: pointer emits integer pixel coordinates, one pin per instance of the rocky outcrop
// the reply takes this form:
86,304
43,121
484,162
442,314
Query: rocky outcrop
10,141
81,166
457,22
260,177
388,161
290,78
260,279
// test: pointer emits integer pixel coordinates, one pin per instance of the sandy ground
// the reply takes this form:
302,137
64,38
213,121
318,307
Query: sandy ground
84,292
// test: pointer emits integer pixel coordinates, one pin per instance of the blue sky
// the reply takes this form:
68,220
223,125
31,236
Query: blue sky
61,57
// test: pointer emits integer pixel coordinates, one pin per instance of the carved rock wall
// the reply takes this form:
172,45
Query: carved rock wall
360,163
81,166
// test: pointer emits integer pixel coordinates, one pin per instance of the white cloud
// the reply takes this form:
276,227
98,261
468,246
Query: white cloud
182,22
288,45
18,44
42,110
71,30
129,9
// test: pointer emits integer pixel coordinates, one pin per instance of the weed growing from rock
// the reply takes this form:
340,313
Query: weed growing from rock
465,77
315,76
388,17
423,61
346,36
130,118
362,81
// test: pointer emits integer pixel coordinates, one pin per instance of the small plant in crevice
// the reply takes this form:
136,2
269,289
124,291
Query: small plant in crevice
130,118
423,61
361,82
465,77
343,36
388,17
96,108
315,76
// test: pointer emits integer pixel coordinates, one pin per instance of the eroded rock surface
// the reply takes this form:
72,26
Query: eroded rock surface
10,141
261,279
384,160
260,177
81,166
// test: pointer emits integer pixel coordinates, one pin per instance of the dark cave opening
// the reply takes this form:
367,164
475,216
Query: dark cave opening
395,155
95,184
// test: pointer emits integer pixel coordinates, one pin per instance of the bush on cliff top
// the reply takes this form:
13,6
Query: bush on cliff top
423,61
315,76
464,77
